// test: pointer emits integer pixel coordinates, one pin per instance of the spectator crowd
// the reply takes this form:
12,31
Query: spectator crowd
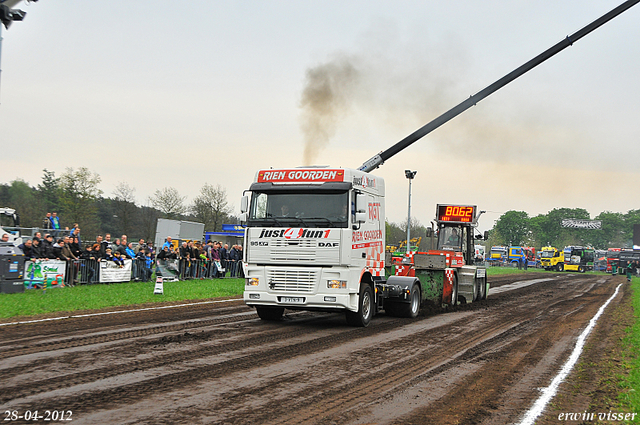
189,260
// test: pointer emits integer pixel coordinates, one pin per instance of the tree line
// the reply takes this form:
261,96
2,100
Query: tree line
518,229
76,197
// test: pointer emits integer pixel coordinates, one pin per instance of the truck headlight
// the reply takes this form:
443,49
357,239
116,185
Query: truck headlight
336,284
252,281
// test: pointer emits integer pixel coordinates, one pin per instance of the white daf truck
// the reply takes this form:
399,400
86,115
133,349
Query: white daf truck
314,241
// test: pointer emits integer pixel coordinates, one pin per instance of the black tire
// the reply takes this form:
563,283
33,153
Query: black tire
270,313
366,304
560,267
582,269
476,289
454,293
482,291
412,308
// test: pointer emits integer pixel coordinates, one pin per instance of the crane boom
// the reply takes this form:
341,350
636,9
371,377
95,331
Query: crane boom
380,158
8,15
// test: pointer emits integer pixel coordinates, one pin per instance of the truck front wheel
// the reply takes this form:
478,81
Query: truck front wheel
363,316
560,267
270,313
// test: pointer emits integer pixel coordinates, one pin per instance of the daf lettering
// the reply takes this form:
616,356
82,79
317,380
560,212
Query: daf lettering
328,244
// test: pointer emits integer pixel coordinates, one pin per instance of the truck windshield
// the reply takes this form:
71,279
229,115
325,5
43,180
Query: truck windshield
6,220
546,254
450,238
613,254
304,209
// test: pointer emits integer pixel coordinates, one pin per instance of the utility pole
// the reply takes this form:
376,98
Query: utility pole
409,175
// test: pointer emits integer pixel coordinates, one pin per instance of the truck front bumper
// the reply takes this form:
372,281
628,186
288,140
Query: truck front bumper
324,301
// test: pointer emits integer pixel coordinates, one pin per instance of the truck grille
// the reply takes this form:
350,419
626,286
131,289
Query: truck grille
286,243
284,250
292,280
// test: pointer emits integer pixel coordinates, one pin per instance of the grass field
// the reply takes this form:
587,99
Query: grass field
90,297
631,382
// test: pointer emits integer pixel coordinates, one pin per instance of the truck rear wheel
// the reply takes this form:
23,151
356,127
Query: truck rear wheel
411,309
270,313
454,292
363,316
482,290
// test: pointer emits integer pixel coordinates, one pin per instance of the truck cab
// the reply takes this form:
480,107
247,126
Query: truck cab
578,258
551,258
479,254
531,257
9,224
314,241
613,256
628,257
516,256
497,255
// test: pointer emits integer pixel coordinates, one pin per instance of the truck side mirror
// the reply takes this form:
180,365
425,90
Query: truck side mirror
244,204
361,208
361,202
244,208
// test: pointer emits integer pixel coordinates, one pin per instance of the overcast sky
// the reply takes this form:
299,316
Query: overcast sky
178,94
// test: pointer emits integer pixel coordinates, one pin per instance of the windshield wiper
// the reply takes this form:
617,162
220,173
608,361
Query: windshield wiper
300,220
269,219
328,220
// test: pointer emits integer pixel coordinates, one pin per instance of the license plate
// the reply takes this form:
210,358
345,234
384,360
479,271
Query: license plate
292,300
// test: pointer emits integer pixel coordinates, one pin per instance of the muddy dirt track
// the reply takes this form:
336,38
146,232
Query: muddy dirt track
482,363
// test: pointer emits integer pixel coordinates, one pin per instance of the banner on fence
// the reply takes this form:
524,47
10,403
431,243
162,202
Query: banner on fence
112,272
44,272
581,224
219,267
168,269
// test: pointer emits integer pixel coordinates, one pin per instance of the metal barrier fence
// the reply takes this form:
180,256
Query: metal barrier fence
185,269
88,272
81,272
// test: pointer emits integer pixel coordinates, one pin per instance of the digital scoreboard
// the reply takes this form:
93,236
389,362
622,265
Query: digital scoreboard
456,213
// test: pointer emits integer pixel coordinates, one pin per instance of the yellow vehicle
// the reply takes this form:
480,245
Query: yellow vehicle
551,258
401,250
578,258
